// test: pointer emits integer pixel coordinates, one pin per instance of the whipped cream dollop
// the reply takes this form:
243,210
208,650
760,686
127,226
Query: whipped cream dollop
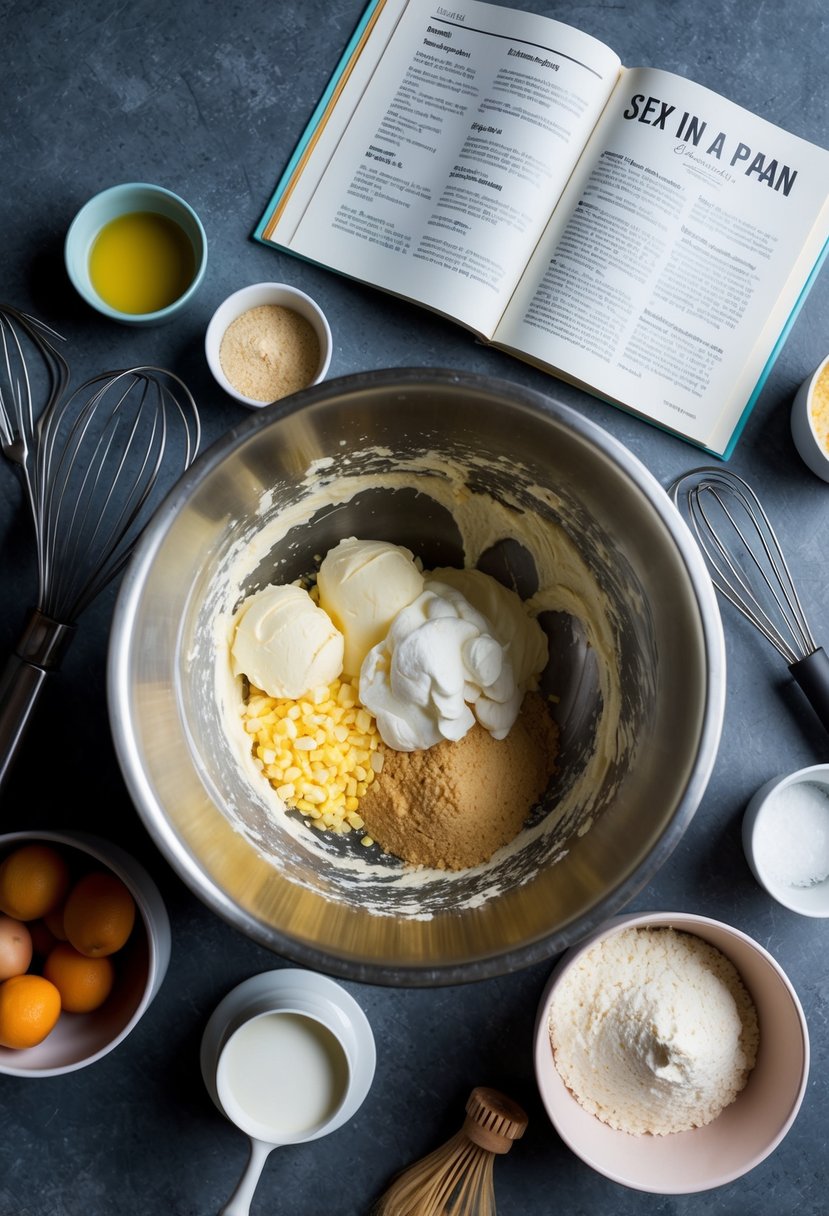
362,585
284,643
440,668
523,639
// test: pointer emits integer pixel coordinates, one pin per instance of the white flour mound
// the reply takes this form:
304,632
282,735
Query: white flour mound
653,1031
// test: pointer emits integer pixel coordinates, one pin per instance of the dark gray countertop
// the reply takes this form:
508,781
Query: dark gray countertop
208,100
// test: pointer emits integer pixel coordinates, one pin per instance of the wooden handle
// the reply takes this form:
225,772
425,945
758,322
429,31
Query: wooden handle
493,1121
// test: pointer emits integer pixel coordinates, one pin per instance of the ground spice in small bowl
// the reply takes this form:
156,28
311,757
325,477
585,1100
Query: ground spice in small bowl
269,352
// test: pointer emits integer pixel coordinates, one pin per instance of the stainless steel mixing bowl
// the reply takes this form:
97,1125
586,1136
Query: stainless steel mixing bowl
303,895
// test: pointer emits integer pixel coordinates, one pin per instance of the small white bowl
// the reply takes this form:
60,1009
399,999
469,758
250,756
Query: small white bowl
784,859
810,421
80,1039
126,199
307,997
254,296
746,1132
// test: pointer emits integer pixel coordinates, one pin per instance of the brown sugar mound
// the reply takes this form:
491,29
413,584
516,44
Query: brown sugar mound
453,805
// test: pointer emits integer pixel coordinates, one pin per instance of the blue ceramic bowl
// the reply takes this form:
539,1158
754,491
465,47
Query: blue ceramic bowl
124,199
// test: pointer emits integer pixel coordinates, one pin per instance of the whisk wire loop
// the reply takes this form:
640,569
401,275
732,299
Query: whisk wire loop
102,452
22,380
16,391
748,567
68,503
92,464
788,631
745,559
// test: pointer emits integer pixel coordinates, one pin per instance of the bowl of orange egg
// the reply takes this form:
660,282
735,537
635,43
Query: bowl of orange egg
84,948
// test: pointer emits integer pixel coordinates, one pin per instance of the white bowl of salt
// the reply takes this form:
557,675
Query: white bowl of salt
786,839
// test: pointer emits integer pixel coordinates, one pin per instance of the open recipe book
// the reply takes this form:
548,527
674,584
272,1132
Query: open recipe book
624,229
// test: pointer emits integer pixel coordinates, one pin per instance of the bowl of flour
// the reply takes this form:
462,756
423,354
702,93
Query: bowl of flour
671,1052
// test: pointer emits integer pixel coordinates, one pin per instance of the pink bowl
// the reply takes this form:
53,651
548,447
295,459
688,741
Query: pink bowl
746,1132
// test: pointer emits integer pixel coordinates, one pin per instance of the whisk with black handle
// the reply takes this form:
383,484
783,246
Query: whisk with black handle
93,466
748,568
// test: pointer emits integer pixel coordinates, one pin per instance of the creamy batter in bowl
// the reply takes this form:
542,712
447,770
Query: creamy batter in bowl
461,470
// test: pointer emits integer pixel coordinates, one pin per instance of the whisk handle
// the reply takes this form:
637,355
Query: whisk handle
812,674
39,652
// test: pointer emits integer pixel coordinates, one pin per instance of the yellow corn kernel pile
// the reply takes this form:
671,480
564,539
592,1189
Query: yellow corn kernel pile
319,754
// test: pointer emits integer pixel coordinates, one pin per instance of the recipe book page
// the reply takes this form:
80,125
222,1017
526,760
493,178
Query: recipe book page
679,250
461,140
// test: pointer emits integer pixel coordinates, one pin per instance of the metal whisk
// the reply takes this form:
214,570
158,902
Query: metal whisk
92,465
748,568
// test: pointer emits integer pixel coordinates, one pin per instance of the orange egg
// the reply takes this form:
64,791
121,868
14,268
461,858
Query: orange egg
99,914
33,879
15,947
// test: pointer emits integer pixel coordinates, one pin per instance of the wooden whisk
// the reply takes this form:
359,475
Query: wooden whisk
457,1178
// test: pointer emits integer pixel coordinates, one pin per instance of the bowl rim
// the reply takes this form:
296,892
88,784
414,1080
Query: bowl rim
91,297
812,384
234,305
294,989
811,450
688,922
187,867
154,918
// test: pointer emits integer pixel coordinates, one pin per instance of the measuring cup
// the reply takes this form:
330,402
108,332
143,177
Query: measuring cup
287,1056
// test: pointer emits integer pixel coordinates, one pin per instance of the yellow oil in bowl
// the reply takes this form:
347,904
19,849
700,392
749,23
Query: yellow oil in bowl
141,262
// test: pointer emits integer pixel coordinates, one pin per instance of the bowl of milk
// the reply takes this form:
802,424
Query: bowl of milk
287,1056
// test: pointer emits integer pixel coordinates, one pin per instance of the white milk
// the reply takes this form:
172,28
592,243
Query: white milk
287,1072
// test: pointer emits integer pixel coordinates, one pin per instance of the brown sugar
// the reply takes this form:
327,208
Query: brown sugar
453,805
269,351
